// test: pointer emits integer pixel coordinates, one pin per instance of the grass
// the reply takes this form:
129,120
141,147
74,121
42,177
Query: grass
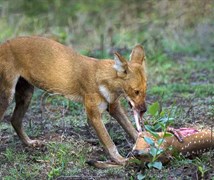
183,90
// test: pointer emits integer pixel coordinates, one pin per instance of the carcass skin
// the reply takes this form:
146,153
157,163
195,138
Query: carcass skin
194,142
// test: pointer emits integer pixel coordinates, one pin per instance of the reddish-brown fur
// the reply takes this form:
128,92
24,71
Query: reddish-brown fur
26,62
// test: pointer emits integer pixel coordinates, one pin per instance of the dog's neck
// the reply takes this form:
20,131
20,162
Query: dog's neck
111,87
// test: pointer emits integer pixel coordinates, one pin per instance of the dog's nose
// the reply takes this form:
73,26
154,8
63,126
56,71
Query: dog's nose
143,108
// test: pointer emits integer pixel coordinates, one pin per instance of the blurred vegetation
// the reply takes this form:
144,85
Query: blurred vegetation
161,26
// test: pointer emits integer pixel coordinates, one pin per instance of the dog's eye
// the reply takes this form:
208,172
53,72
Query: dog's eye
137,92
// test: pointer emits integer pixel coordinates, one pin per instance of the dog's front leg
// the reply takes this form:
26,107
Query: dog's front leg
92,105
117,112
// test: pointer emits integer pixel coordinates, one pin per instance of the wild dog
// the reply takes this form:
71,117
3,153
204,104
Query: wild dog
26,62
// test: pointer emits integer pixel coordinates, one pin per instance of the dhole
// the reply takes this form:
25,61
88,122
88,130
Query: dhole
26,62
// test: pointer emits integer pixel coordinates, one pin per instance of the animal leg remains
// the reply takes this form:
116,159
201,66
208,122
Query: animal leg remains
194,142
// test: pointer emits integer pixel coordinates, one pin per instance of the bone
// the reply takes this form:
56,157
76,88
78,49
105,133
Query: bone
137,121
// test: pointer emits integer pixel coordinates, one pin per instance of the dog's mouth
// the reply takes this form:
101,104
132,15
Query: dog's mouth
138,116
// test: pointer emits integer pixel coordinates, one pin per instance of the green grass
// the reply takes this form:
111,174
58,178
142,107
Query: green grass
183,90
19,164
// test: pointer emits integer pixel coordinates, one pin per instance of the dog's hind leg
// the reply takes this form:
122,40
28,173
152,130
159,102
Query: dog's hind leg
7,86
23,95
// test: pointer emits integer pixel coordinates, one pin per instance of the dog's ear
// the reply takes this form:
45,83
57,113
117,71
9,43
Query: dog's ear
121,65
138,55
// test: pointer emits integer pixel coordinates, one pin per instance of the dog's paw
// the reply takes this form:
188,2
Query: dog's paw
121,161
35,143
118,159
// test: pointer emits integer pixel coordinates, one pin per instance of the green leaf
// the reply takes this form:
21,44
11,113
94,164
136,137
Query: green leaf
200,169
163,125
167,135
160,141
154,109
157,127
151,131
149,127
162,114
140,176
153,151
157,165
166,120
160,151
150,165
149,141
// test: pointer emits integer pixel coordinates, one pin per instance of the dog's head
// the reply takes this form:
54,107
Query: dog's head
134,75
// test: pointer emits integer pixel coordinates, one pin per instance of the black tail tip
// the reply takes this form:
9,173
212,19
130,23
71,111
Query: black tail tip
91,162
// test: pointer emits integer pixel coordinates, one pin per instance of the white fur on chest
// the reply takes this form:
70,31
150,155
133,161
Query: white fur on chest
106,93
